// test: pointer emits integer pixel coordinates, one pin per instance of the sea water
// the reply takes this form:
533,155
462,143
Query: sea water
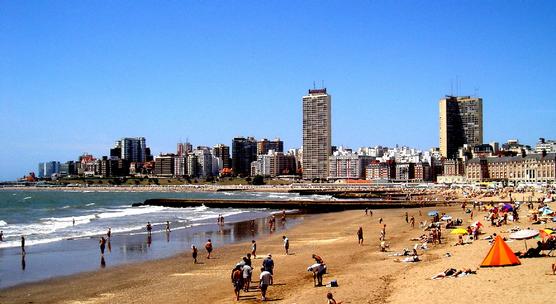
62,229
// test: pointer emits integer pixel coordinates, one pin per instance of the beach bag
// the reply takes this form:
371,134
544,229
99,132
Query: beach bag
333,283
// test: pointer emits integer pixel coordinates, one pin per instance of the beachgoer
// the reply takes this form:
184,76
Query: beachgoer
380,220
412,221
109,233
286,244
246,271
194,253
283,219
360,236
73,221
252,225
237,281
268,264
149,228
371,212
22,244
1,236
318,259
254,249
554,269
102,244
330,299
208,247
406,218
318,271
265,280
384,232
366,211
247,259
167,226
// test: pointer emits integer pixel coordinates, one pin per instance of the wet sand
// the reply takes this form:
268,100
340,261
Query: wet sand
364,274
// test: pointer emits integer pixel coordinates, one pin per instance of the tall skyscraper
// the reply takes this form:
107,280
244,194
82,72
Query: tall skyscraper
223,152
244,151
316,134
132,149
461,122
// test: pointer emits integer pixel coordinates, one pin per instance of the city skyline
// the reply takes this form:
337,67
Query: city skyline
73,89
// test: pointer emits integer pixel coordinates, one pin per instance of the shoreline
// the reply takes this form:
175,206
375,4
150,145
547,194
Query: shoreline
364,274
81,254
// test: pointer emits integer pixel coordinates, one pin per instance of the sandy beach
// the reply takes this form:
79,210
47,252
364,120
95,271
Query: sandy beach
364,274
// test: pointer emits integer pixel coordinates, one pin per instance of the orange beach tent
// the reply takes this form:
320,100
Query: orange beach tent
500,254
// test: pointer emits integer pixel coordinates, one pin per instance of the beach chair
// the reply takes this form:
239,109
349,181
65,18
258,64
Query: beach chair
550,246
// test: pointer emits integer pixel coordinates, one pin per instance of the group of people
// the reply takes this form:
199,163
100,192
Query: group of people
242,274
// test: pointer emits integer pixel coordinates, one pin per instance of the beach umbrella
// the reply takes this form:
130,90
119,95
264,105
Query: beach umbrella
547,211
548,231
524,235
433,213
459,231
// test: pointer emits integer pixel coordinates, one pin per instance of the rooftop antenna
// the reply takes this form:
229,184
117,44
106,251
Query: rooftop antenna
322,83
457,86
451,87
314,85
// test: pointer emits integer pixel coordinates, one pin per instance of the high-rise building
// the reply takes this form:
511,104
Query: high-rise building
316,134
244,151
164,165
184,148
461,122
264,145
47,169
223,152
131,149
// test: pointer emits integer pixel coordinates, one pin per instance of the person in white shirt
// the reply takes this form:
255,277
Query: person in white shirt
286,244
246,277
265,279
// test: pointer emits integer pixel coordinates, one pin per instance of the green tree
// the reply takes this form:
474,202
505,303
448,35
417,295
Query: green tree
258,180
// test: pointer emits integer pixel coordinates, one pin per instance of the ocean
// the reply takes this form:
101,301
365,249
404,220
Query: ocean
56,245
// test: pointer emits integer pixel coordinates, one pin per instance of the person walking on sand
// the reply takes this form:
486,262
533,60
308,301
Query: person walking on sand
360,236
412,221
286,244
268,264
149,228
406,218
237,281
102,245
371,212
208,247
254,249
380,220
366,211
265,279
109,233
194,253
246,272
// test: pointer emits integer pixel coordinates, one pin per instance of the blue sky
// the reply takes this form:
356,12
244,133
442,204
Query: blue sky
77,75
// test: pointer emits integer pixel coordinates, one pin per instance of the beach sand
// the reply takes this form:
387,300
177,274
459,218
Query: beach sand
364,274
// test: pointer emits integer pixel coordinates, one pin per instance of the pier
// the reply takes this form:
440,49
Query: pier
309,206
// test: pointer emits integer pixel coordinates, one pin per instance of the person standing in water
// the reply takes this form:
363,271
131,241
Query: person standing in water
149,228
22,244
102,245
109,233
167,226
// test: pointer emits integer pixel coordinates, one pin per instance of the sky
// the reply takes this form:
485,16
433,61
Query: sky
77,75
